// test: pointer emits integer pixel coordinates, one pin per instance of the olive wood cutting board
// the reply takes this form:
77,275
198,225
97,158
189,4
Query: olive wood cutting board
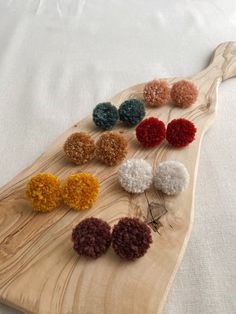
40,272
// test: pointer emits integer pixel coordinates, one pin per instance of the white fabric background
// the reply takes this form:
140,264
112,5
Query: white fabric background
58,58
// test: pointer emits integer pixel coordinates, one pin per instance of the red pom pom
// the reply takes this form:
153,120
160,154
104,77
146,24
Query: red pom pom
180,132
151,132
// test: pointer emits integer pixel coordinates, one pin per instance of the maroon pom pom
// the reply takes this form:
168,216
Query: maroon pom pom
91,237
151,132
180,132
131,238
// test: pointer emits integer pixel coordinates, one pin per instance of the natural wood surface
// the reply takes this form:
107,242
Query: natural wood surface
39,271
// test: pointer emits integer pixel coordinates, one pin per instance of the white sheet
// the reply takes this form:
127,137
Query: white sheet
58,58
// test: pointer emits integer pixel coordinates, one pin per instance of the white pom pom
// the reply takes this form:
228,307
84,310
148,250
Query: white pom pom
135,175
171,177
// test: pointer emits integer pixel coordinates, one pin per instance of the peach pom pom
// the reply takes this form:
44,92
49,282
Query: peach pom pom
43,192
80,191
184,93
156,93
79,148
111,148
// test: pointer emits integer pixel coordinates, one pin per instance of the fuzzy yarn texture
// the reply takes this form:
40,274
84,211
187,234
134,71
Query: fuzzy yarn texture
80,191
132,111
180,132
105,115
135,175
184,93
156,93
43,192
151,132
111,148
79,148
171,177
131,238
91,237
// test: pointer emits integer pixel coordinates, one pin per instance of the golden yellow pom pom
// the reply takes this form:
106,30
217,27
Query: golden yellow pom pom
43,192
80,191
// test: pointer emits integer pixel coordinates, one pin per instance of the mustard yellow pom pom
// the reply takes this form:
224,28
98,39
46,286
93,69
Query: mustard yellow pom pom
43,192
80,191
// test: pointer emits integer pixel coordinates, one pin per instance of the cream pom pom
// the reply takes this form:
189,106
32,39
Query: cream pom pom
135,175
171,177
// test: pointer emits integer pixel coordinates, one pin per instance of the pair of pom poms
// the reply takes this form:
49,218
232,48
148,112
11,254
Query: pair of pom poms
158,93
111,148
152,132
130,238
130,112
45,192
170,177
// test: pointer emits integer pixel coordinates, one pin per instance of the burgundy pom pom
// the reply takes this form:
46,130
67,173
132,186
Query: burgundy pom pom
180,132
91,237
151,132
131,238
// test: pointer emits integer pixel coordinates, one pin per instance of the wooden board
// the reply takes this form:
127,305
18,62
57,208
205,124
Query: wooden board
39,271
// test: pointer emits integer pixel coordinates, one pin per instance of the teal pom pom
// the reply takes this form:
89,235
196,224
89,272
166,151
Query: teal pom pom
132,111
105,115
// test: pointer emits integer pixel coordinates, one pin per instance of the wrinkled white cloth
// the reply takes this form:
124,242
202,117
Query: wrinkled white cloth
59,58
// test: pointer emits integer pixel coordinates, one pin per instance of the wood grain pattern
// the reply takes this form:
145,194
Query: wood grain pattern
39,271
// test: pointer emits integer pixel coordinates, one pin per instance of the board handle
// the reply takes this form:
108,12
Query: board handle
223,62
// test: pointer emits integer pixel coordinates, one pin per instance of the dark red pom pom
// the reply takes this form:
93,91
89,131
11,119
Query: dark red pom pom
91,237
131,238
180,132
151,132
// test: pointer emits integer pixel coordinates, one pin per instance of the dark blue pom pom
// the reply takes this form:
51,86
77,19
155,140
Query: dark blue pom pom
105,115
132,111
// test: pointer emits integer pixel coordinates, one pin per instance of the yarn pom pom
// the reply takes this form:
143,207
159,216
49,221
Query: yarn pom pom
131,238
79,148
43,192
151,132
80,191
132,111
180,132
171,177
91,237
135,175
156,93
184,93
105,115
111,148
